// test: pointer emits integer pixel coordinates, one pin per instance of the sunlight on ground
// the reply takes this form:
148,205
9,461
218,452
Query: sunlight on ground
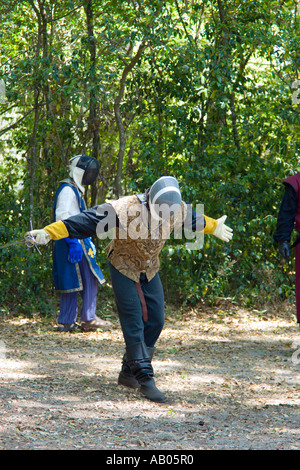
10,369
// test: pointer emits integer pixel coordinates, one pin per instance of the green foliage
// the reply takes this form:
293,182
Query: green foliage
209,101
25,274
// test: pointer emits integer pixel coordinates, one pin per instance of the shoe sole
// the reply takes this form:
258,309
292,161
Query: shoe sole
95,328
68,330
162,400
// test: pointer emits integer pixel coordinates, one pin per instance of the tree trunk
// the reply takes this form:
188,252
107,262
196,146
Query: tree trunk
33,153
93,119
119,121
34,146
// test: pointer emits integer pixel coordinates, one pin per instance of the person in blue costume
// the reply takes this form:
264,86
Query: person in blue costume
74,263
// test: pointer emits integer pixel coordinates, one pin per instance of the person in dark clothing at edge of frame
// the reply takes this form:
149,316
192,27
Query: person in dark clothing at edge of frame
133,258
289,219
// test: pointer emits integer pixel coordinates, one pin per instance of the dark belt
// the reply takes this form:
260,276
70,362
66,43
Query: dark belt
143,301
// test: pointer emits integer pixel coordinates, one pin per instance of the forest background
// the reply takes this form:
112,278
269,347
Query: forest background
206,91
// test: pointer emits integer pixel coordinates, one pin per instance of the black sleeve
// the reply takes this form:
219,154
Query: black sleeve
286,215
194,221
94,221
198,221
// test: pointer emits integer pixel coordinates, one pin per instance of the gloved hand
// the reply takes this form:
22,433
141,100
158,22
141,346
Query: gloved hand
284,250
41,236
222,231
75,250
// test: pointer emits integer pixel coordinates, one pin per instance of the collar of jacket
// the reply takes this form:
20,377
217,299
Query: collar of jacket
142,198
70,181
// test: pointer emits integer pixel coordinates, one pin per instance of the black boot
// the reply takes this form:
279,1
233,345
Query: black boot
126,377
139,360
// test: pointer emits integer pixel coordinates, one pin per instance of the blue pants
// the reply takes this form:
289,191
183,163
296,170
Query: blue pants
135,330
68,301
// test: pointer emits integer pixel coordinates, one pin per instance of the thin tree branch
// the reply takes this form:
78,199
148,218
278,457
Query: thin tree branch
15,124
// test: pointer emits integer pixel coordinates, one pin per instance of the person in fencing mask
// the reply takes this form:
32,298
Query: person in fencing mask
134,266
74,263
164,197
84,171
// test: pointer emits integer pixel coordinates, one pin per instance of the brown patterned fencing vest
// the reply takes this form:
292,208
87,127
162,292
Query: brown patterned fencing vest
139,239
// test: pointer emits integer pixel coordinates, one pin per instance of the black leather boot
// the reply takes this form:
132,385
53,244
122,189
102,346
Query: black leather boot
150,352
126,377
139,360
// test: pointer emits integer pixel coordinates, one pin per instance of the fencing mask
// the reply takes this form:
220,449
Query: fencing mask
164,197
84,170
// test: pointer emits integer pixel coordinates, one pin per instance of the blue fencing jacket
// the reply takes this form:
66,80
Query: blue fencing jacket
66,275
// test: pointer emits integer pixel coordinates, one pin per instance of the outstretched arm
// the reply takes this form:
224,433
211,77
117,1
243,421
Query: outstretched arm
200,222
98,219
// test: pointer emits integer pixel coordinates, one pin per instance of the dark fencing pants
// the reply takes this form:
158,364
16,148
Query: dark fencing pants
129,306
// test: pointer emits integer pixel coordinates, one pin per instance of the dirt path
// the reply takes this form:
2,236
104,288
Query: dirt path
232,378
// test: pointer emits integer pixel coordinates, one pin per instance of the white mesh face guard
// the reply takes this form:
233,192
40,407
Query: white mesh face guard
164,197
